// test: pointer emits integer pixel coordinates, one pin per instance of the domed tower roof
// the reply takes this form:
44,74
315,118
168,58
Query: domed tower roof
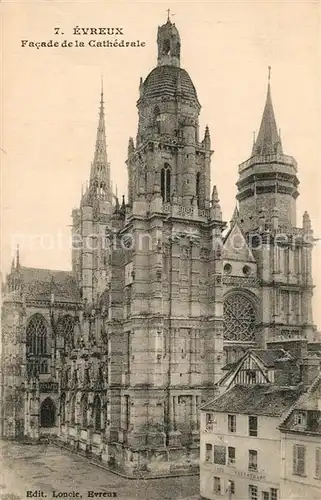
164,81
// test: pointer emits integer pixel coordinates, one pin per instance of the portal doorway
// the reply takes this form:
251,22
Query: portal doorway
47,413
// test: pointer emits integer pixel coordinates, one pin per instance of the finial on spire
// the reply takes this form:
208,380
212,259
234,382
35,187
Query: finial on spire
269,74
101,88
168,15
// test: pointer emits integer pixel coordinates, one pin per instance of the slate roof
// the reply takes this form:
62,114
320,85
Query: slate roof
162,82
258,399
271,357
38,284
268,357
310,402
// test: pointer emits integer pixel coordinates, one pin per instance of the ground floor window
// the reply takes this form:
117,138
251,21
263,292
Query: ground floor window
217,485
47,413
253,492
231,487
274,494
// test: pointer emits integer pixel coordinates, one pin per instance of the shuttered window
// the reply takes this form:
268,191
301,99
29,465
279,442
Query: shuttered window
299,460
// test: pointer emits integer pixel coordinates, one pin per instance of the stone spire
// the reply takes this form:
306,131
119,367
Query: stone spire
268,139
99,183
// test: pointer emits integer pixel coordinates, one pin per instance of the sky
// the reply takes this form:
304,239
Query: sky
50,99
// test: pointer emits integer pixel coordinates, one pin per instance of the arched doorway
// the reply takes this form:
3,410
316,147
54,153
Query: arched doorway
47,413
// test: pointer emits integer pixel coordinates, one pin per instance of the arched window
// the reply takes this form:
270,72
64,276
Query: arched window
63,408
239,318
73,410
66,330
47,413
166,183
198,188
84,411
97,413
36,335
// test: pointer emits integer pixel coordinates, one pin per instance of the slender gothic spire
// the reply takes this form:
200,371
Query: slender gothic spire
100,168
268,140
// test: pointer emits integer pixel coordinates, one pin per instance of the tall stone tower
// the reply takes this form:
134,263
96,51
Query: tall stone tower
279,253
170,274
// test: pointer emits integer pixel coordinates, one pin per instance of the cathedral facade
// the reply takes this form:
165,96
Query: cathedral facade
115,357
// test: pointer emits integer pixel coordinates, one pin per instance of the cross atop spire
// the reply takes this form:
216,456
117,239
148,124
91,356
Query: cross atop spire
168,15
268,140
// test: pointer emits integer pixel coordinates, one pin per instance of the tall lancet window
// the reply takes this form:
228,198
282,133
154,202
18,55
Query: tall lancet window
166,183
198,188
37,335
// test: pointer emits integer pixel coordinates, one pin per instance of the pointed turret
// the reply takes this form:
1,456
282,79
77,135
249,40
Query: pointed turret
216,211
306,222
215,198
207,138
131,147
268,139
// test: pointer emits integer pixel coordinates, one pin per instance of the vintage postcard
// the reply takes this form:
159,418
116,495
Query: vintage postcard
161,232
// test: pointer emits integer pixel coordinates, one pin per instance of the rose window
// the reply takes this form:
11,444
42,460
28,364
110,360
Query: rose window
239,318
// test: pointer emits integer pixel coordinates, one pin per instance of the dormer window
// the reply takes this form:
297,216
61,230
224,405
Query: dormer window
300,418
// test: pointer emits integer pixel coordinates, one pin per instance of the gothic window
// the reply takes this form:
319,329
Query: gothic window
66,329
166,183
239,318
97,413
198,188
83,411
36,335
47,413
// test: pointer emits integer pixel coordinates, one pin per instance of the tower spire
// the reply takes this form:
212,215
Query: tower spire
268,139
100,168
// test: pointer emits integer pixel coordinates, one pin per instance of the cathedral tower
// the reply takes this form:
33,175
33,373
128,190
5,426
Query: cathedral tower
273,262
268,179
171,285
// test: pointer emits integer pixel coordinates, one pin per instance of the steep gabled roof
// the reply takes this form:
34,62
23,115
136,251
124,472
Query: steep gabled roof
38,284
264,400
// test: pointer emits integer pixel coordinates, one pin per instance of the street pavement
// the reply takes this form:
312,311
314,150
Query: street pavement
48,469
